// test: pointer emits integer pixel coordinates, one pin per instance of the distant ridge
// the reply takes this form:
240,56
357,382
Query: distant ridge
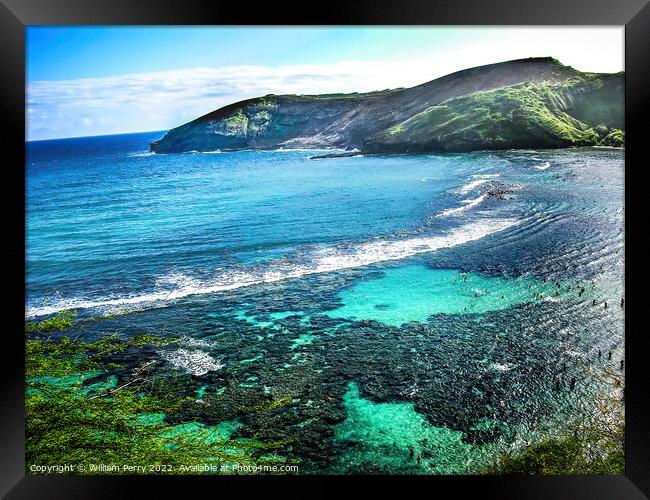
534,102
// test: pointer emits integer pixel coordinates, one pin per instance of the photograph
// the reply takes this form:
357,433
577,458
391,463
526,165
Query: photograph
324,250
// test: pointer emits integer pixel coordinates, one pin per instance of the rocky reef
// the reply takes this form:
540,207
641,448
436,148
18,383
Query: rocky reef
527,103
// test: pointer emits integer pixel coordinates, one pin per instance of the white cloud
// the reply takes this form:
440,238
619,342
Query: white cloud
162,100
157,101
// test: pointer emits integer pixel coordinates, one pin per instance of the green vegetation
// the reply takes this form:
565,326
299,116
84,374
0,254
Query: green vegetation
615,138
568,455
395,130
552,106
594,446
238,119
77,413
266,100
526,114
266,407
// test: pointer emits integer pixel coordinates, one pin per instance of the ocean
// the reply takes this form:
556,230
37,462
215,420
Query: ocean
418,313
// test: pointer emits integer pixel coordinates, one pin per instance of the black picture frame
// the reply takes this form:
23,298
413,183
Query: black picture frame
15,15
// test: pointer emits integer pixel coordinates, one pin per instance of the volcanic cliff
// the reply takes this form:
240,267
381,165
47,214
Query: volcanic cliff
527,103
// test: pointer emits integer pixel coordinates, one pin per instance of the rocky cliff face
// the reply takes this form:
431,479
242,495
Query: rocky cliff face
525,103
581,111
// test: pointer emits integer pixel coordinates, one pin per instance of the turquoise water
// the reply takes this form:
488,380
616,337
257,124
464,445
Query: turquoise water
416,292
393,437
392,307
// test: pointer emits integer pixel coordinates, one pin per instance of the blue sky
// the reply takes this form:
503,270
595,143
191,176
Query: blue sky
105,80
61,53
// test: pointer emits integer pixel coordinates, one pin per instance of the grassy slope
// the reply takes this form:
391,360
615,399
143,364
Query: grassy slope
581,111
536,102
72,419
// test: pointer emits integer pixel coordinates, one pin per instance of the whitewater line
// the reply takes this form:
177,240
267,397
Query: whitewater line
323,261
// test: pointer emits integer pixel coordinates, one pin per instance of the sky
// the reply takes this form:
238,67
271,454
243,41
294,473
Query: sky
100,80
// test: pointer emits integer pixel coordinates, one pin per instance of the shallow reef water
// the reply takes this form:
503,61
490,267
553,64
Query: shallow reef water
413,293
393,437
387,323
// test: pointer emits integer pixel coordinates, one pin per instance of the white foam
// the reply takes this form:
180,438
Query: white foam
194,362
192,342
467,204
544,166
478,180
302,150
142,154
323,260
470,186
212,152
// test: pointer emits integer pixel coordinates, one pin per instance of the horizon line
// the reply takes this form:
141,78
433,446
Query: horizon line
92,136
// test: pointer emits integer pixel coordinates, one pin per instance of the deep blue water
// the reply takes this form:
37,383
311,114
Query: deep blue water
230,248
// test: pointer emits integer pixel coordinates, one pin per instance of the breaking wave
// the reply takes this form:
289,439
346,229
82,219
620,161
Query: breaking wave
142,154
324,260
467,204
478,180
